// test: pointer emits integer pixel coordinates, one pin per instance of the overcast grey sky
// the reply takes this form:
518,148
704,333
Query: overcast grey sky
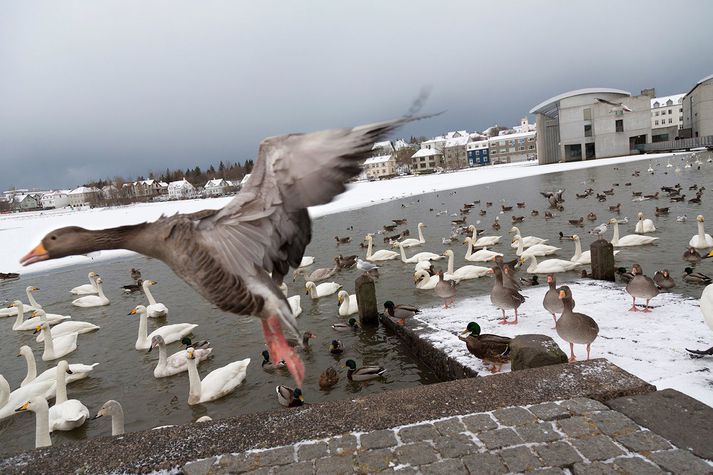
95,88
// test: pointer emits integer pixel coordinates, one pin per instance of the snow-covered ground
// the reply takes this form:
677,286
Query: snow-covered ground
20,232
649,345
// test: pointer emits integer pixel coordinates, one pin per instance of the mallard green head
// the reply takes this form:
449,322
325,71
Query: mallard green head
186,341
472,328
297,393
266,355
334,345
389,304
352,322
351,364
688,270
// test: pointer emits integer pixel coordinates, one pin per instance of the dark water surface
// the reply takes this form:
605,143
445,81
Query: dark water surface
126,374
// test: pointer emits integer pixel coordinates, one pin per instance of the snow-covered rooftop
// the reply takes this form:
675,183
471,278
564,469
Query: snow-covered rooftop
426,152
550,107
457,141
215,182
521,135
82,189
385,144
379,159
662,101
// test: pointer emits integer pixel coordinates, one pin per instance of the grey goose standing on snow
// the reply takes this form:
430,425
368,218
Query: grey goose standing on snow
227,255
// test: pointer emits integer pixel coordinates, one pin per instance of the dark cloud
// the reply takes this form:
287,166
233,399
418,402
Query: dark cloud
103,88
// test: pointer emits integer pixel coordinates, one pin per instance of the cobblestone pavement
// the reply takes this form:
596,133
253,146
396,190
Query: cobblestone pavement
579,436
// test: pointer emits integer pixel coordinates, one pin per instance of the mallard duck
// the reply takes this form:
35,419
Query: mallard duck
664,280
289,397
624,275
365,373
328,378
504,298
268,365
695,277
306,337
641,286
350,325
529,281
691,255
336,347
400,311
575,327
492,349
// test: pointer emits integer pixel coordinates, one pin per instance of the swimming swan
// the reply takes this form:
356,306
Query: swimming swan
93,300
170,333
153,309
218,383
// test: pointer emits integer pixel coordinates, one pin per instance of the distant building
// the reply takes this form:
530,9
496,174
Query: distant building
698,109
148,189
454,151
217,187
181,189
83,196
26,202
512,148
427,160
383,148
591,123
55,199
244,180
666,117
381,166
478,153
525,126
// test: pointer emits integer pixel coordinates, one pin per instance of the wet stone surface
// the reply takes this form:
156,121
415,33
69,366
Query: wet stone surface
580,436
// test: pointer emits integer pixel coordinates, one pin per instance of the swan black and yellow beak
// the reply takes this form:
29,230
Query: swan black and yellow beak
710,254
132,312
37,329
23,407
38,254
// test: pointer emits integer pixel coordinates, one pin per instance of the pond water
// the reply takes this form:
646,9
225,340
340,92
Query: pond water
126,374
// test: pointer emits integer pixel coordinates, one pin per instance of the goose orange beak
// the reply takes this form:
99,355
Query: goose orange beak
38,254
563,294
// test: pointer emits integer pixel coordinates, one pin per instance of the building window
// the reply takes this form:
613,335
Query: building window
619,125
589,150
587,130
573,151
669,111
670,120
680,110
656,122
587,114
531,147
656,114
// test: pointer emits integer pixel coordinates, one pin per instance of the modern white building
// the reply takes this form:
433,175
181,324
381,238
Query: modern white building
698,109
666,117
217,187
591,123
181,189
83,196
511,148
55,199
427,160
26,202
381,166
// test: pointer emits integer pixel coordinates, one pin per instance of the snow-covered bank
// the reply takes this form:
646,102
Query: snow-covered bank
649,345
19,232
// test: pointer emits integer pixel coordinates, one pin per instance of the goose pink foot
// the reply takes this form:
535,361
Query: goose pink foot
281,351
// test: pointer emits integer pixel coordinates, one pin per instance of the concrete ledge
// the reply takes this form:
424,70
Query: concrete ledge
445,367
171,447
685,421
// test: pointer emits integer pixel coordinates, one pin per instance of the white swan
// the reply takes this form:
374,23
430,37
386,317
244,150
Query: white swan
644,226
93,300
629,239
52,317
113,408
307,261
56,347
549,266
11,311
347,304
295,301
707,305
422,265
381,254
218,383
31,323
425,281
701,240
170,333
65,328
79,370
462,273
66,414
40,407
177,362
413,242
153,309
483,241
527,241
481,255
421,256
321,290
86,289
534,250
9,401
583,258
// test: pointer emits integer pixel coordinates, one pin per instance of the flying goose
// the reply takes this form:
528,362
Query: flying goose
236,257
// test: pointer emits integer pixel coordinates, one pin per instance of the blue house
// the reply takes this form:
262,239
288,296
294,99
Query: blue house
478,153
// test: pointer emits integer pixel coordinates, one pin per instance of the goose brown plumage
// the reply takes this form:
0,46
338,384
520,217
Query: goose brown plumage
503,297
575,327
641,286
236,257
